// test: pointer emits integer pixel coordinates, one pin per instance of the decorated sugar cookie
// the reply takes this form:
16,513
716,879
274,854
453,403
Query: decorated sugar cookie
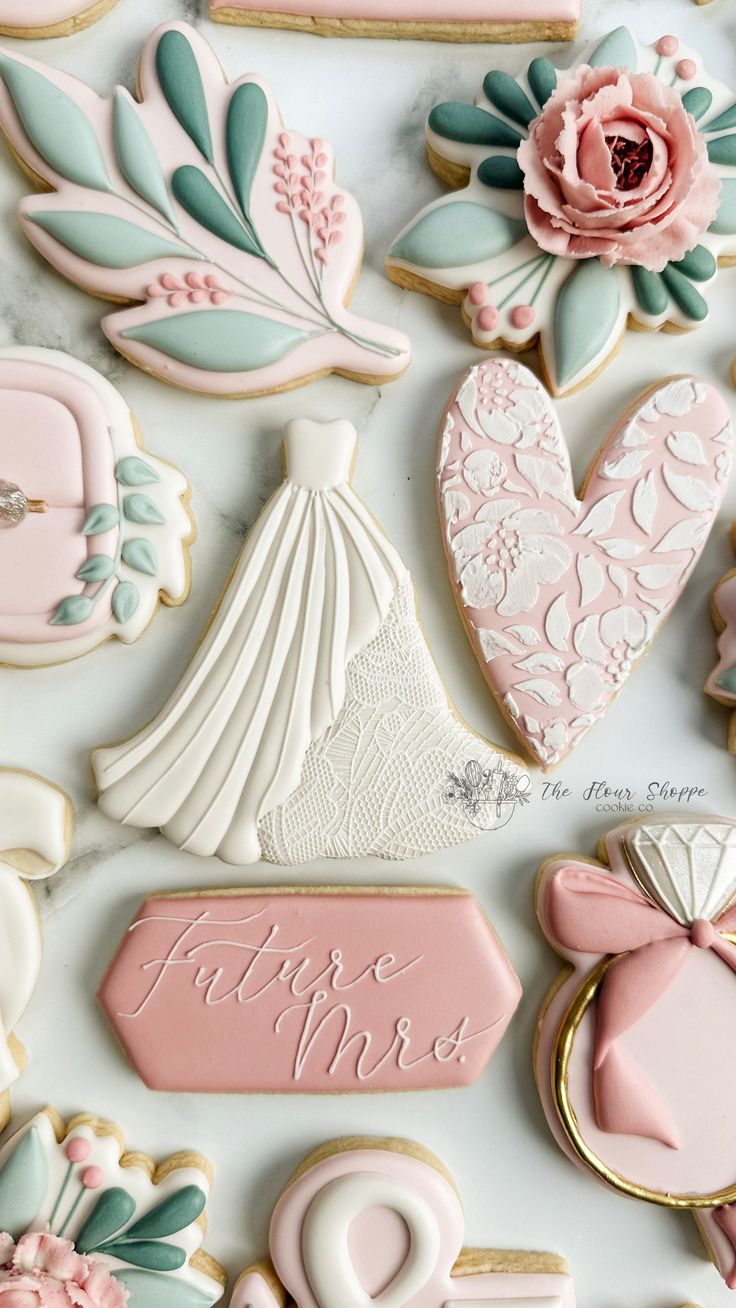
382,1218
721,684
44,18
224,234
85,1224
94,531
634,1053
440,20
561,593
35,840
588,197
312,722
310,989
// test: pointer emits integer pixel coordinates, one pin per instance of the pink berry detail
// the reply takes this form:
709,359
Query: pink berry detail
522,316
667,45
478,294
78,1149
92,1178
686,69
488,318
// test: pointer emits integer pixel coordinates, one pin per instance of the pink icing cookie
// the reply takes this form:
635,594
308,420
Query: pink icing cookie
721,684
94,531
442,20
310,990
366,1221
45,18
226,234
634,1055
85,1224
562,594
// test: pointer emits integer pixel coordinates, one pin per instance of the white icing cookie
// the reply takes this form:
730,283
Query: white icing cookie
312,722
35,841
94,531
225,235
40,19
590,197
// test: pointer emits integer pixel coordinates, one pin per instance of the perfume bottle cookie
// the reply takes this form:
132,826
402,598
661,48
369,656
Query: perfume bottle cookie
588,198
40,19
223,234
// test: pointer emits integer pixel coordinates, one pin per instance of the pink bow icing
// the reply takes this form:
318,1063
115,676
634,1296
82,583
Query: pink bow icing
592,913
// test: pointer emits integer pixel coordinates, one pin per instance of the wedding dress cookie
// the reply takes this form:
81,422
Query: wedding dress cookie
312,722
634,1058
35,840
379,1221
94,531
223,234
589,198
39,19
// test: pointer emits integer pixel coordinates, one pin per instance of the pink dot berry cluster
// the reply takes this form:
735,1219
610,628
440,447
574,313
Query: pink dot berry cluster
668,46
77,1151
196,288
488,316
300,183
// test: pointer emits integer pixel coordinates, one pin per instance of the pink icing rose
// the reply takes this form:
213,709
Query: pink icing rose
615,167
44,1271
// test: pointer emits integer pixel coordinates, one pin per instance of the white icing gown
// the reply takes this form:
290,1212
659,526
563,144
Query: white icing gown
312,721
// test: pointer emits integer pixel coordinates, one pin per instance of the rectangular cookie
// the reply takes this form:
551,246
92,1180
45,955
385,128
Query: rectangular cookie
431,20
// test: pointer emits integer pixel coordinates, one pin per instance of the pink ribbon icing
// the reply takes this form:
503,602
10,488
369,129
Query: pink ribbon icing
590,912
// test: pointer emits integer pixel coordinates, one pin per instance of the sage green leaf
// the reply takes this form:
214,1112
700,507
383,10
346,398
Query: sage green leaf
140,555
105,240
617,50
457,233
202,202
141,509
125,600
698,264
181,82
56,126
586,313
724,223
723,150
697,101
24,1178
505,94
71,611
101,517
245,133
724,120
542,77
172,1215
650,291
219,340
471,125
727,681
157,1257
133,471
98,567
684,293
152,1290
501,172
137,156
113,1209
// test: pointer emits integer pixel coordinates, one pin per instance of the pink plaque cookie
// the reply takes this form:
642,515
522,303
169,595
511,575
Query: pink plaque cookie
442,20
367,1221
562,593
311,989
45,18
634,1058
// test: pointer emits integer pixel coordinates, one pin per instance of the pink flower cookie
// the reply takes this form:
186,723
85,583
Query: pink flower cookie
225,235
40,19
83,1225
634,1055
562,594
379,1221
591,197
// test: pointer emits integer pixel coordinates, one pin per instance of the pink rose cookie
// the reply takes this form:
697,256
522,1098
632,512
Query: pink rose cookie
365,1221
310,989
438,20
40,19
85,1225
224,235
591,197
721,684
94,531
35,841
634,1058
561,594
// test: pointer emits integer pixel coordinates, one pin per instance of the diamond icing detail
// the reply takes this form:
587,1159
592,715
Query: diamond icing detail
689,868
13,505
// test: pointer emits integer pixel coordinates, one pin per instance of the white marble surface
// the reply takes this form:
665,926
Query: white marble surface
370,99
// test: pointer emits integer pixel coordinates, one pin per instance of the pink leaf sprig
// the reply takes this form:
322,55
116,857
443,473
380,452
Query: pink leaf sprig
196,288
301,185
329,229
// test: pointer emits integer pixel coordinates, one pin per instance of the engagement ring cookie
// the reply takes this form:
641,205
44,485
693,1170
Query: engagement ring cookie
589,198
35,841
223,235
86,1225
366,1221
561,594
312,722
634,1057
438,20
94,531
40,19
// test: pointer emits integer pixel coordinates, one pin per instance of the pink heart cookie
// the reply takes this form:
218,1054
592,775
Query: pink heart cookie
562,595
